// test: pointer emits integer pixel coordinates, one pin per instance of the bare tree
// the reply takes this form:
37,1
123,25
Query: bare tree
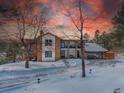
80,29
86,37
29,26
77,18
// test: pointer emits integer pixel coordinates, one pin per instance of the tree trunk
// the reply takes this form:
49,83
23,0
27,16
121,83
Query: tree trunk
81,38
27,64
27,61
27,58
14,57
82,55
82,58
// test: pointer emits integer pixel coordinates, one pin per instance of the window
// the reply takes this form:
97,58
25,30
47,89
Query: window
62,44
72,44
48,53
62,53
48,42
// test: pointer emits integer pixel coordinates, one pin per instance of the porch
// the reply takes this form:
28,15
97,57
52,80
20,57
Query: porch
70,53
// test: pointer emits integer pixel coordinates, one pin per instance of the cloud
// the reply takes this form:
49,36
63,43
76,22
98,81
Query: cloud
106,8
103,10
111,6
96,5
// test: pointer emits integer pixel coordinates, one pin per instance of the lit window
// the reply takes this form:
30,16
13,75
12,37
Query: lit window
48,53
48,42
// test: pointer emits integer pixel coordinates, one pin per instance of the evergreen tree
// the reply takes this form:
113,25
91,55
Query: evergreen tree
119,25
96,36
86,37
106,39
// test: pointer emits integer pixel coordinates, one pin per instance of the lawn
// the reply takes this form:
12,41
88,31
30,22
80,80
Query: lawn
58,78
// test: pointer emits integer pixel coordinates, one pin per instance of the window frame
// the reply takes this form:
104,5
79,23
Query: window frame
48,42
48,54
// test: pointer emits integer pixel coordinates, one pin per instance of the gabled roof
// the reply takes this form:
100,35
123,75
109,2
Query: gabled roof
93,47
50,34
64,33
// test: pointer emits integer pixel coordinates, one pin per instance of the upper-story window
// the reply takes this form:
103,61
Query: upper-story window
62,44
48,42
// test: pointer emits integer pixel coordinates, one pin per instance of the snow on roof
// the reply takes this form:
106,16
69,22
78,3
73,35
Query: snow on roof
65,33
93,47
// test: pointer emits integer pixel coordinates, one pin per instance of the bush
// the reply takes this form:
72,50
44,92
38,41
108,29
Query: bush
4,60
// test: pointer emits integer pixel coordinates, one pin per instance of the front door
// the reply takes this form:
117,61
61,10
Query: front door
78,54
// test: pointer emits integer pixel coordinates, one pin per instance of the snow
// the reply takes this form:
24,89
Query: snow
120,57
93,47
33,65
14,70
104,78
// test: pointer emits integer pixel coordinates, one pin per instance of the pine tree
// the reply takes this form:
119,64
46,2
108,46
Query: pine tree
119,25
96,36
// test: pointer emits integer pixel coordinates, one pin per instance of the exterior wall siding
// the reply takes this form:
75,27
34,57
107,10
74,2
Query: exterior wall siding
48,48
57,48
39,49
39,56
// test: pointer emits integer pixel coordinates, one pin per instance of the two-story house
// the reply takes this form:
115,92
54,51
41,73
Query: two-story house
52,47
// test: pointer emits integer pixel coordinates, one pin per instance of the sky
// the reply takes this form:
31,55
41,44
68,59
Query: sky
99,12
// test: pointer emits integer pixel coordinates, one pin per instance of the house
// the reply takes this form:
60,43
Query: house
54,46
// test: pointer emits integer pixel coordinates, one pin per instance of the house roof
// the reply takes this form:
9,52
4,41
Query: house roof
64,33
93,47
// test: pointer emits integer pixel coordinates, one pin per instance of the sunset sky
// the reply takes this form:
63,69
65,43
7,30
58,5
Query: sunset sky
99,12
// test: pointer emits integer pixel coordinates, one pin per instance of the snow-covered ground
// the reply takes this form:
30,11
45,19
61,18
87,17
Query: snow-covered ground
105,77
13,70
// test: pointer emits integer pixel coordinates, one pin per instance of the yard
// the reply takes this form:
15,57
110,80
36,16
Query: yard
106,76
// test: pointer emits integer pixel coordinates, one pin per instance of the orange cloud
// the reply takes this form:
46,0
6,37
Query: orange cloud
36,11
58,11
101,24
97,5
42,1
